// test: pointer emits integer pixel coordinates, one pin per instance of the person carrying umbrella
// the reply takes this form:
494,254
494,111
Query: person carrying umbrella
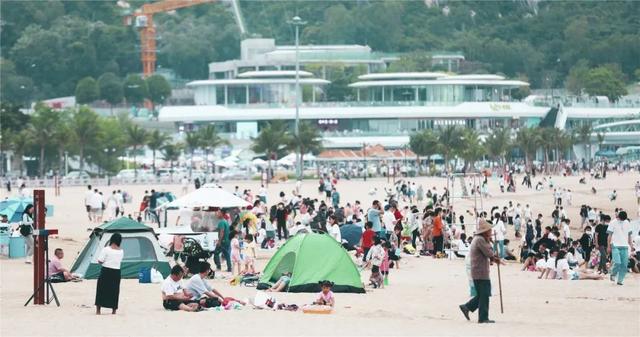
481,256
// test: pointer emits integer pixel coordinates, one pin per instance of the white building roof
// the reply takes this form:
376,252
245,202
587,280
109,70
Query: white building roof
446,80
245,81
274,73
487,77
414,75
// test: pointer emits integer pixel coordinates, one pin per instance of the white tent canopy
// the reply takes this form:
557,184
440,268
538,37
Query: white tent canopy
209,195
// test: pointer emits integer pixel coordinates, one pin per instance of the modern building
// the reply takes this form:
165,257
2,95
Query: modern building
384,108
259,54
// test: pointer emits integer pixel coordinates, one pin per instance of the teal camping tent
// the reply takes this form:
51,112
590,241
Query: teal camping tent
139,243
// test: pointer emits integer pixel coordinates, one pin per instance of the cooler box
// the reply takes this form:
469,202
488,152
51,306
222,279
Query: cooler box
17,247
4,244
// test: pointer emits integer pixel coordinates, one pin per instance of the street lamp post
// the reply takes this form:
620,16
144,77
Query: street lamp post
297,22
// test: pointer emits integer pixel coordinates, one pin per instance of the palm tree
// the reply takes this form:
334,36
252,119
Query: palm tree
171,153
63,138
600,138
156,141
272,140
472,148
192,141
308,140
43,123
547,141
497,144
85,129
450,139
527,140
210,140
136,136
20,143
424,143
584,136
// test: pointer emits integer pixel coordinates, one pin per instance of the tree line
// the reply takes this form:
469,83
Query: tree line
52,136
501,145
48,47
134,89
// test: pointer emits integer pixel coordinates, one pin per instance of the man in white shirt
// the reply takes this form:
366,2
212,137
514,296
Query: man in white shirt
87,201
120,204
262,194
528,213
96,206
566,230
174,296
388,219
201,291
185,185
620,241
184,217
499,231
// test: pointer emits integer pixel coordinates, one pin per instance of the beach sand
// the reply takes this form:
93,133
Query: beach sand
421,299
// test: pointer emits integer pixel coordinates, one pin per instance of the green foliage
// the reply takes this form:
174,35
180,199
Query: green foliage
272,140
156,141
527,140
414,61
605,81
159,89
87,91
171,153
498,143
41,130
110,88
575,81
136,137
85,129
135,89
54,44
11,118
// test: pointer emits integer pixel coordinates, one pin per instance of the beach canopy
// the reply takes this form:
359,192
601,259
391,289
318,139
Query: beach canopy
310,258
209,195
139,244
14,207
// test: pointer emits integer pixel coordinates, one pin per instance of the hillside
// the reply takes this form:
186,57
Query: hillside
48,46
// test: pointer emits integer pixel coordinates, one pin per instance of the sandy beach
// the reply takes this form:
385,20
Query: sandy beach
421,299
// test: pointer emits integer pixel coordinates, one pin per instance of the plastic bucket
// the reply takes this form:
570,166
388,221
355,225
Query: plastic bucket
17,247
144,276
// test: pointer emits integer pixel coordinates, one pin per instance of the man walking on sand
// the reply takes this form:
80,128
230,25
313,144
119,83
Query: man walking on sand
481,255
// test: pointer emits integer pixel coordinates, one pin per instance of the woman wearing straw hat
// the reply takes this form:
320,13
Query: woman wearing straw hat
481,255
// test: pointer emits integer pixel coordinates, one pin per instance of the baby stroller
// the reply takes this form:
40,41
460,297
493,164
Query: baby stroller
193,254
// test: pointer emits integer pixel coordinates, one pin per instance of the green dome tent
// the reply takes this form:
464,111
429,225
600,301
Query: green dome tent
139,243
313,257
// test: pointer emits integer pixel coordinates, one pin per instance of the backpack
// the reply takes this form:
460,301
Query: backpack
26,230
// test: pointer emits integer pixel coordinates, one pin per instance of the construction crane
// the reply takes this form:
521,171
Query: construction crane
144,22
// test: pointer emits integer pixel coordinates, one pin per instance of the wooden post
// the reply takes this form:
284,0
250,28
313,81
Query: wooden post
39,263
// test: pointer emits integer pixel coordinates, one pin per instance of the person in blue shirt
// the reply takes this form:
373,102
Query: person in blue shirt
335,198
373,215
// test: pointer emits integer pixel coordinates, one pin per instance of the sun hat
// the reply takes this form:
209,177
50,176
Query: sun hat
483,226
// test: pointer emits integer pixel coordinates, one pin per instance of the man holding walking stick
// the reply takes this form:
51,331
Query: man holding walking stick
481,256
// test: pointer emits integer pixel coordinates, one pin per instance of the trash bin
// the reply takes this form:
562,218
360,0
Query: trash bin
17,247
4,244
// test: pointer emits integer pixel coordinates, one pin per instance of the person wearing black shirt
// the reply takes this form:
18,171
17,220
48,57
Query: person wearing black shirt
539,226
281,220
586,242
601,242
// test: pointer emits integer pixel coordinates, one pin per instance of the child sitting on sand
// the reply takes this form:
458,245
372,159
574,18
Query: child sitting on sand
326,295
